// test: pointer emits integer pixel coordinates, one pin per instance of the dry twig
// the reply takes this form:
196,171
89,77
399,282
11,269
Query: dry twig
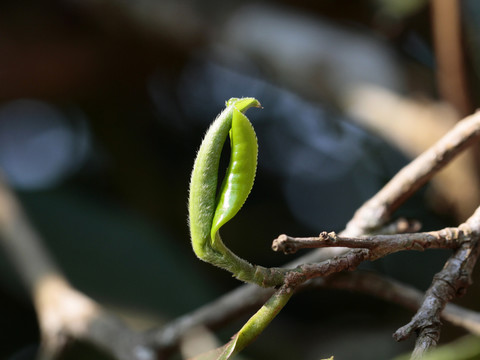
378,210
452,281
380,245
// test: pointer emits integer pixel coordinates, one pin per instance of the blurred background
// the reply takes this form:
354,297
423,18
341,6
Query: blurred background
104,103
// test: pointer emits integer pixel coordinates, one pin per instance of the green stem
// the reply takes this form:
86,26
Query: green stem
260,320
223,257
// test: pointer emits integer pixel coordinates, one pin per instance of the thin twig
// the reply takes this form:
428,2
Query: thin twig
378,210
447,238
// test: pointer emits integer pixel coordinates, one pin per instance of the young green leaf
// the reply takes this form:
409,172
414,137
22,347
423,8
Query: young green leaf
203,184
240,175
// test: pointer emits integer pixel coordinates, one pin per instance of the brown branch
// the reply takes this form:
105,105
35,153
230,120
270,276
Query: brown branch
345,262
378,210
449,283
380,245
451,74
426,322
370,247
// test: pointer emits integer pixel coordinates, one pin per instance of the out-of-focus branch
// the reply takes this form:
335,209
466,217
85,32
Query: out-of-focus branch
22,243
451,75
63,312
393,291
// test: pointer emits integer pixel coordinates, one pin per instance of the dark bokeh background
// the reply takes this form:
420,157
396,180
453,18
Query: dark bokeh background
104,103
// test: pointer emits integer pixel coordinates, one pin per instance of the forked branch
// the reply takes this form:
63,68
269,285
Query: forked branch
372,217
